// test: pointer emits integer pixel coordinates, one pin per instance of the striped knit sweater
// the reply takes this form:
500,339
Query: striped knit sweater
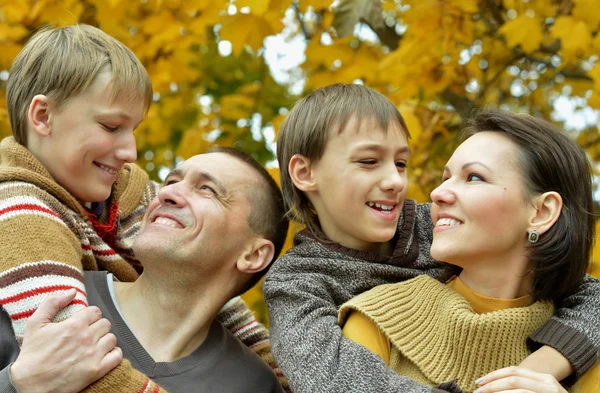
48,239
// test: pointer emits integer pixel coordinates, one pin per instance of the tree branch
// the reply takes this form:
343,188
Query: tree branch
300,20
461,104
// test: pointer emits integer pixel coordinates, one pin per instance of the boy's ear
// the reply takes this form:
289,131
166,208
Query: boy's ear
257,257
301,173
548,207
38,115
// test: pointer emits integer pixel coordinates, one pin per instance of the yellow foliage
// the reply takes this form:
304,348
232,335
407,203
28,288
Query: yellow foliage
316,5
245,29
524,31
587,11
575,37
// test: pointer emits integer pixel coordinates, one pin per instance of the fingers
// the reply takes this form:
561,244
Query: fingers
106,344
110,361
50,306
87,316
518,379
510,372
100,328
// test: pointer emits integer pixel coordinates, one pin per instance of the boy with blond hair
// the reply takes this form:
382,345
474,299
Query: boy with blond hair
343,155
70,197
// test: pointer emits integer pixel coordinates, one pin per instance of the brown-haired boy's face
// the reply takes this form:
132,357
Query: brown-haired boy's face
361,184
89,140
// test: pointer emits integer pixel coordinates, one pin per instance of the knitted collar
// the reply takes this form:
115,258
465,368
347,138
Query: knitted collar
406,245
436,329
19,164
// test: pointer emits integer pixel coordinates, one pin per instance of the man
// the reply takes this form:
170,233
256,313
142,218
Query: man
211,233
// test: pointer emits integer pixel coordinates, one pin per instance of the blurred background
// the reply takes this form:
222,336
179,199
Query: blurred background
227,72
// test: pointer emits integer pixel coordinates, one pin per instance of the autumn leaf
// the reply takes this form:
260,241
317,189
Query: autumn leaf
245,29
349,12
524,31
575,36
316,5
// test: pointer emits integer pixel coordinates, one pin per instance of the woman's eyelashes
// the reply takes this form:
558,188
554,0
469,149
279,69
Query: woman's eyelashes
474,177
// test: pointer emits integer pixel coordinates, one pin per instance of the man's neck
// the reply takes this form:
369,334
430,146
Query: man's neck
169,322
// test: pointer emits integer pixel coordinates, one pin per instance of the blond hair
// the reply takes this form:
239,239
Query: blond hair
62,62
312,121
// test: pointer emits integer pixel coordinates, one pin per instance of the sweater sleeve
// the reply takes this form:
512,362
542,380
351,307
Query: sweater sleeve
39,255
236,317
573,330
124,379
310,349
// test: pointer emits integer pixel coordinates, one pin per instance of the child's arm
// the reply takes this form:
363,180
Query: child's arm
39,255
573,331
240,321
61,359
308,344
548,360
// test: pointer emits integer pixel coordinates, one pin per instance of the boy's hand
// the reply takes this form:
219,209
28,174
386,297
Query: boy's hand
518,379
67,356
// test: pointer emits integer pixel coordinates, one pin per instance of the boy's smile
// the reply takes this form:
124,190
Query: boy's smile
85,142
360,184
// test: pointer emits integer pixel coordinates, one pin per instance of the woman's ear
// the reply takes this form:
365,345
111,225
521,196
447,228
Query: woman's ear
548,207
38,115
301,173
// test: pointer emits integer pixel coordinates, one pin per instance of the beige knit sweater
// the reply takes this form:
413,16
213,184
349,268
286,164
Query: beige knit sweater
436,336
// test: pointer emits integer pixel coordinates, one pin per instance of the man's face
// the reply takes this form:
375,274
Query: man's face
200,214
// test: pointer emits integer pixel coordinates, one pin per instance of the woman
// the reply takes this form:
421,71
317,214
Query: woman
514,211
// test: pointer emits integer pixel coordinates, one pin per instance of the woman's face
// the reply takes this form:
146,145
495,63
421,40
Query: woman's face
481,210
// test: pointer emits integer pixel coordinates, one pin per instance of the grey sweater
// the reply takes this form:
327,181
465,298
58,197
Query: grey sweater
305,288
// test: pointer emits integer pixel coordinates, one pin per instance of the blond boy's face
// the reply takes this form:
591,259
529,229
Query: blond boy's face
90,139
361,184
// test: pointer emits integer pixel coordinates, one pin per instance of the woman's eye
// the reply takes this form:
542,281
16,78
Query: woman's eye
169,182
368,162
474,177
401,164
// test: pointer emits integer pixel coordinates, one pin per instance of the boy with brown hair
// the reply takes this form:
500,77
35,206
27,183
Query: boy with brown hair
70,197
343,154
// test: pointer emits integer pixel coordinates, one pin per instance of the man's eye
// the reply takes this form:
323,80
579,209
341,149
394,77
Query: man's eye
208,188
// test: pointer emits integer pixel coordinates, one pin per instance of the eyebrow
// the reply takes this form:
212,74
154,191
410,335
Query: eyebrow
378,147
198,176
470,164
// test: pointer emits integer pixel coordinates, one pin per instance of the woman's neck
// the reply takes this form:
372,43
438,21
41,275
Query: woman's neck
497,284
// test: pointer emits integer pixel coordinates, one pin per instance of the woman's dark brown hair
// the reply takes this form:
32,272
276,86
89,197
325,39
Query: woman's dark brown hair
550,161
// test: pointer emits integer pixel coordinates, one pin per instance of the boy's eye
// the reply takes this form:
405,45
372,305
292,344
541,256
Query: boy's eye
474,177
109,129
169,182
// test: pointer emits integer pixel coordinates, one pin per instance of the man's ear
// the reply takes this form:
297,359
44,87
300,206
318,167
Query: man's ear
38,115
257,257
548,207
301,173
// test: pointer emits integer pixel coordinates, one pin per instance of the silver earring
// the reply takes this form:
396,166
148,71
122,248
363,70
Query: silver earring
534,236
